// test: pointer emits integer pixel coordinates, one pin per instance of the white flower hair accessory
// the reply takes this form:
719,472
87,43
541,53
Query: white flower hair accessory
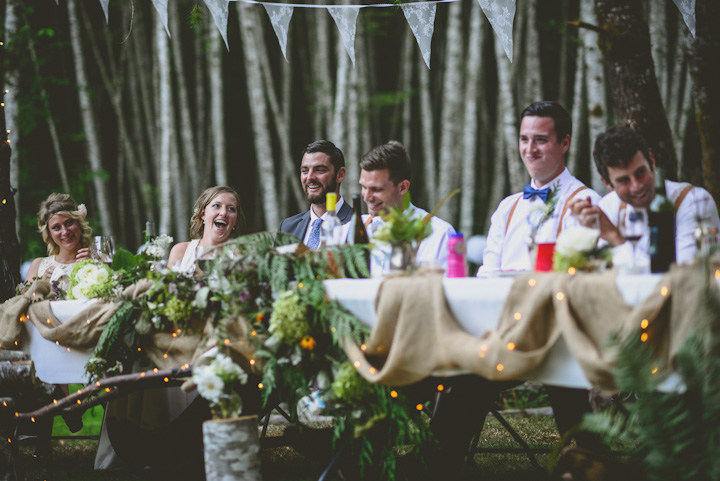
83,210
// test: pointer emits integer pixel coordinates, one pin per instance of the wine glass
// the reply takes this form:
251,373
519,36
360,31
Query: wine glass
204,255
633,226
103,249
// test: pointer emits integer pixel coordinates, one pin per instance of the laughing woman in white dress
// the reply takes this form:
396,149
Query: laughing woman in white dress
217,216
68,236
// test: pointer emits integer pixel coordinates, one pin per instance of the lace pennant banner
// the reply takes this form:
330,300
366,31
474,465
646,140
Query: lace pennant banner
161,7
280,16
501,14
421,18
687,10
219,11
346,21
104,5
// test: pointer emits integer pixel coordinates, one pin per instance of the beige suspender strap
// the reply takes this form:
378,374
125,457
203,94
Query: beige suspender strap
565,208
368,220
507,224
684,193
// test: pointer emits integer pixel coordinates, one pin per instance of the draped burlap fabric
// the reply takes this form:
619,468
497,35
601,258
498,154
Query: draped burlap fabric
415,334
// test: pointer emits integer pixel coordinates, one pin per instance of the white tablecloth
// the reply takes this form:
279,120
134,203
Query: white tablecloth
57,364
477,303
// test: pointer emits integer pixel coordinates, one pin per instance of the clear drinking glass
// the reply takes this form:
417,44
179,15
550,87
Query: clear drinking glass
103,249
633,226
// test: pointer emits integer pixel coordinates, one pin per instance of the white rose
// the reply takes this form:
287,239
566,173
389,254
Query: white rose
209,385
101,276
77,292
576,239
83,272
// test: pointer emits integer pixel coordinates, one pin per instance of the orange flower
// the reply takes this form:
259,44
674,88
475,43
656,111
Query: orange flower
308,342
259,317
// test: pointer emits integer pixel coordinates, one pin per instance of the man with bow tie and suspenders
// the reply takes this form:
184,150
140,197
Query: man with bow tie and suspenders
545,136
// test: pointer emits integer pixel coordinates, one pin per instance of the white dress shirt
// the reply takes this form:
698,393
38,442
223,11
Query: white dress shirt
698,205
508,251
431,250
314,217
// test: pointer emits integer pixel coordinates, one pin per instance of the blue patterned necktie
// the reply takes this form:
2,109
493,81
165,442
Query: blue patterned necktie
314,240
528,192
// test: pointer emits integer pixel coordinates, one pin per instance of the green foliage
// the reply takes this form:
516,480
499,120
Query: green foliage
674,435
196,16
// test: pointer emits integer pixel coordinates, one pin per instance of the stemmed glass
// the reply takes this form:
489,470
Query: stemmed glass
633,226
103,249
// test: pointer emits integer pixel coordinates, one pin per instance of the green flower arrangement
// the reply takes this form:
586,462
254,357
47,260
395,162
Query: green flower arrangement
90,279
350,386
576,248
288,321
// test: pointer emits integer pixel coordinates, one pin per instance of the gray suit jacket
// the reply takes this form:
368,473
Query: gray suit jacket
297,225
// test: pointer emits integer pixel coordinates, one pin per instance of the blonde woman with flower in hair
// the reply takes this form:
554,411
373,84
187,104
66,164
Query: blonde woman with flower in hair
68,236
217,216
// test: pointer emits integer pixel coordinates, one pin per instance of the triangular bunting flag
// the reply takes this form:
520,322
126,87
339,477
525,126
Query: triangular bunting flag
346,21
161,7
501,14
219,11
421,18
104,5
687,10
280,16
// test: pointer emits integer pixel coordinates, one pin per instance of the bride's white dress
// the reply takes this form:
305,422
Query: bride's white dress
61,274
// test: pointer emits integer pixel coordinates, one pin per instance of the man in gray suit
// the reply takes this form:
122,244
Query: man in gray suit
322,170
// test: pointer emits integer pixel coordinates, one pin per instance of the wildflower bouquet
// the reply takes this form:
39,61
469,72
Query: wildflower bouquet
218,382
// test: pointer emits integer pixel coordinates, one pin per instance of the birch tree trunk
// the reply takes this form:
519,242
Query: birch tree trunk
657,23
452,109
679,97
339,133
217,115
9,245
473,88
595,80
533,70
579,112
165,133
428,136
187,125
12,82
50,121
200,44
92,137
508,112
497,190
249,22
321,73
704,55
626,48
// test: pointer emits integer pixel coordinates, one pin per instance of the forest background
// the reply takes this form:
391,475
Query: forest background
136,123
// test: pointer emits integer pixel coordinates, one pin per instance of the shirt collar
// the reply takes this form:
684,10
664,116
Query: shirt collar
561,179
338,205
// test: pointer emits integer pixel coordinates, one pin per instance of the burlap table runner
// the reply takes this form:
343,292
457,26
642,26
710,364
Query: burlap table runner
415,334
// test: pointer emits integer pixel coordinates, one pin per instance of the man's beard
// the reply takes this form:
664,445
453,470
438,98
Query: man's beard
320,197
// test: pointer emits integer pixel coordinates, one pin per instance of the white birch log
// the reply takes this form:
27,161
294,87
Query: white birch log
86,112
452,109
249,21
217,116
232,449
595,78
166,133
470,135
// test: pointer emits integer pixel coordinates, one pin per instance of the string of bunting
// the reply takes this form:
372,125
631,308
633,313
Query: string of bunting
419,15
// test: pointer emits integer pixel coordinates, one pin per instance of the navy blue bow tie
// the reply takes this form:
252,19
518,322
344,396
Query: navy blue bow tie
528,192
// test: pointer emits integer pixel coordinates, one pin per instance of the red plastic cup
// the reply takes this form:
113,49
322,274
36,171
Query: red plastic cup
544,261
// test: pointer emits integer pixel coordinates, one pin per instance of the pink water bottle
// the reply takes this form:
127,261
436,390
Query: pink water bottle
456,256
